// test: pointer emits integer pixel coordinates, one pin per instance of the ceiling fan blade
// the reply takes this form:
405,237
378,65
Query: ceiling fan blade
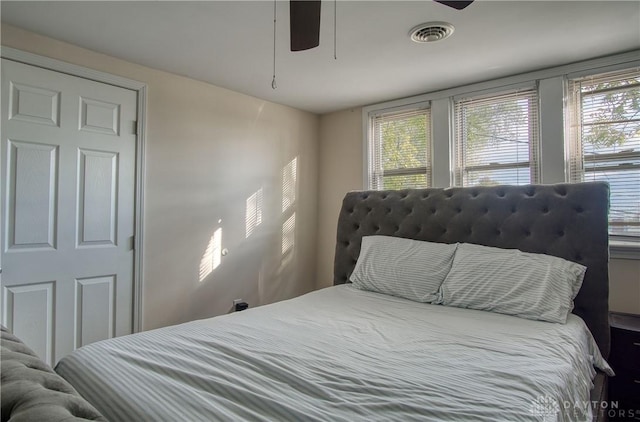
458,5
305,24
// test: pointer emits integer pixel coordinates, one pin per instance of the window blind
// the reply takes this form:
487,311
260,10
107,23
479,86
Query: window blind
400,150
496,139
604,141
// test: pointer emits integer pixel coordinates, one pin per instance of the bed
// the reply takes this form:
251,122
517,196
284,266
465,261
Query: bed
345,354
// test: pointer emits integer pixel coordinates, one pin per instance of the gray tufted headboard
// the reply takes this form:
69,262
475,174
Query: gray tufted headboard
566,220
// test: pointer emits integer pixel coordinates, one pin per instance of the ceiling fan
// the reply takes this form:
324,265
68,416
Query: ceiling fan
305,21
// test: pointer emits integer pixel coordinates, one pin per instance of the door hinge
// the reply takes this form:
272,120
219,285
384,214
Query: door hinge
132,243
134,129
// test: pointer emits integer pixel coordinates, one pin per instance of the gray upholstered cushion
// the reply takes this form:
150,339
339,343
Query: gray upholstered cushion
565,220
32,391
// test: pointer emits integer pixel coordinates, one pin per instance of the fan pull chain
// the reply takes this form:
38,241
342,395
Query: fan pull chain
335,29
273,81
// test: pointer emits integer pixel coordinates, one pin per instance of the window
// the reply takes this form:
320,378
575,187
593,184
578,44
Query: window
522,129
400,149
496,139
604,141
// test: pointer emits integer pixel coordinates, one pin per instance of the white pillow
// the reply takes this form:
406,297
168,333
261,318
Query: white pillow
402,267
508,281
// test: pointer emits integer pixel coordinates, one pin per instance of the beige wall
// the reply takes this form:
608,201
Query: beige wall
208,149
624,285
340,170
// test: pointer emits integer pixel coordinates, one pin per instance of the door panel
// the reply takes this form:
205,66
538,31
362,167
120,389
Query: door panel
34,105
97,205
68,177
94,319
99,116
29,309
32,174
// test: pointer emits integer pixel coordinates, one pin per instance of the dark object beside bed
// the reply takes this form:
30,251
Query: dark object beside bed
32,392
565,220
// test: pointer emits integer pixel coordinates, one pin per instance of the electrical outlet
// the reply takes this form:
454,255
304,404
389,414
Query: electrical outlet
239,305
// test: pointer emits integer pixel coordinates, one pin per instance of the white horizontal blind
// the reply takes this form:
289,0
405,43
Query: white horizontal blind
604,141
497,139
400,150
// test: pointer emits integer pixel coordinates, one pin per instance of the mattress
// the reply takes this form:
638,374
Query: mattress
341,354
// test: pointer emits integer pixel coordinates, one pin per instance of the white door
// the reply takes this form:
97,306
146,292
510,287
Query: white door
68,178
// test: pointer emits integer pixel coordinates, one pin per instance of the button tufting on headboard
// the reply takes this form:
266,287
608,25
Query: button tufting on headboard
547,219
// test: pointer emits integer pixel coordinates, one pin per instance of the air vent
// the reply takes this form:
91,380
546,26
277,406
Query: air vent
431,32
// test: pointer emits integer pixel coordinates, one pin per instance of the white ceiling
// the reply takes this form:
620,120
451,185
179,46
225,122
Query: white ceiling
230,44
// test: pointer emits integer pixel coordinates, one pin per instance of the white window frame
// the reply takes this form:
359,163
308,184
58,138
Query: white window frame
369,116
573,147
533,163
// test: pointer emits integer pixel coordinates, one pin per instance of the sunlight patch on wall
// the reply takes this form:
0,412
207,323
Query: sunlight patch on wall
288,234
253,212
289,188
212,255
289,184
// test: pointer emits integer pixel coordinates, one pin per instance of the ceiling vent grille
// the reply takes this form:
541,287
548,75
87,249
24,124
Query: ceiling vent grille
431,32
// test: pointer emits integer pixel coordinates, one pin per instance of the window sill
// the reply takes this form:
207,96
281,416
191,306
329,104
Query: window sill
624,249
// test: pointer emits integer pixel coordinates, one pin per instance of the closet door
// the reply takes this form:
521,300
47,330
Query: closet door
68,179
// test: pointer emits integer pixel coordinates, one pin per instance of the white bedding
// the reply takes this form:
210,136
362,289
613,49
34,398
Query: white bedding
341,354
